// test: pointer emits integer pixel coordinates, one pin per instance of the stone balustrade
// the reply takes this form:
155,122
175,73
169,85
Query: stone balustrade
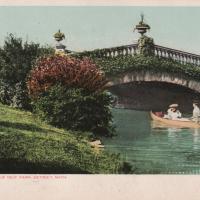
180,56
116,51
159,51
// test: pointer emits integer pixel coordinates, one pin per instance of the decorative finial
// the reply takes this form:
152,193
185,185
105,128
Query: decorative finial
142,27
59,36
59,47
142,17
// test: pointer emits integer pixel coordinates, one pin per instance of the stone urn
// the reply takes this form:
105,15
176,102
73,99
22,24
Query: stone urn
59,36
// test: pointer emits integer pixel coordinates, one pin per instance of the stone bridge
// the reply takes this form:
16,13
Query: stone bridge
151,89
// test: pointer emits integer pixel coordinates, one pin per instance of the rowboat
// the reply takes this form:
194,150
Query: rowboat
174,123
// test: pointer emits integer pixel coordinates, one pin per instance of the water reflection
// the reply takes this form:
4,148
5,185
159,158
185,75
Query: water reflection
154,147
158,127
173,131
196,138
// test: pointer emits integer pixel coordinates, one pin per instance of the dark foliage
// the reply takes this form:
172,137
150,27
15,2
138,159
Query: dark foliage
76,109
16,60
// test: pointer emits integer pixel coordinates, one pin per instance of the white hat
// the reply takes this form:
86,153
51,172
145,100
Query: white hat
173,105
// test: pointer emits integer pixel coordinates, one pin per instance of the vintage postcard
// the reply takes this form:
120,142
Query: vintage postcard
101,95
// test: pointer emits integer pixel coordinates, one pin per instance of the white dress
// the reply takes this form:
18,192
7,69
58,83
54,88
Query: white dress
173,115
196,113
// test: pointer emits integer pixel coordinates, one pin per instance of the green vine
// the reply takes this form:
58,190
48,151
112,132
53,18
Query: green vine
144,61
122,64
146,46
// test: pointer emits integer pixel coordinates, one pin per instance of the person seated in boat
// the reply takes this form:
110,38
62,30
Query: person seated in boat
173,112
196,112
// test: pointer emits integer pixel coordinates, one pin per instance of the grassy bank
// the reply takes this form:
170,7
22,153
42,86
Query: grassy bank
29,145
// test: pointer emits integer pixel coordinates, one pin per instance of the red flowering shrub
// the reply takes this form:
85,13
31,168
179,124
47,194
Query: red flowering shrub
68,71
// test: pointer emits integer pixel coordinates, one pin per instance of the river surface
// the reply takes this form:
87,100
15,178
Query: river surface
152,148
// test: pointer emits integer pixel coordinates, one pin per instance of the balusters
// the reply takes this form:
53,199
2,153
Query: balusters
126,51
185,59
132,51
121,52
189,60
156,52
181,58
198,62
114,53
109,53
195,61
135,50
164,54
129,51
174,56
178,57
159,51
170,55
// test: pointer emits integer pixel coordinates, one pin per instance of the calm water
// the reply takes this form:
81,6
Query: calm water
152,148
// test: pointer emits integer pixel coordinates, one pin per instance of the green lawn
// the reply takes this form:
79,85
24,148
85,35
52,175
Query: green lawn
28,145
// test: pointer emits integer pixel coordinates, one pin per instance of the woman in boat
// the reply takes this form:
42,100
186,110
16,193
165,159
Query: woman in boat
196,112
173,112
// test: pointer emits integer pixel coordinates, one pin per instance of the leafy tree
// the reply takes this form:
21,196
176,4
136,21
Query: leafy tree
76,109
71,72
16,60
68,92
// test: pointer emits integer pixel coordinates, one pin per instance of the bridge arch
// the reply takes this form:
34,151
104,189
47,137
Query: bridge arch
150,76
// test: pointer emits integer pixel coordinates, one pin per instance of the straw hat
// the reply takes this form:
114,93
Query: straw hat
173,105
